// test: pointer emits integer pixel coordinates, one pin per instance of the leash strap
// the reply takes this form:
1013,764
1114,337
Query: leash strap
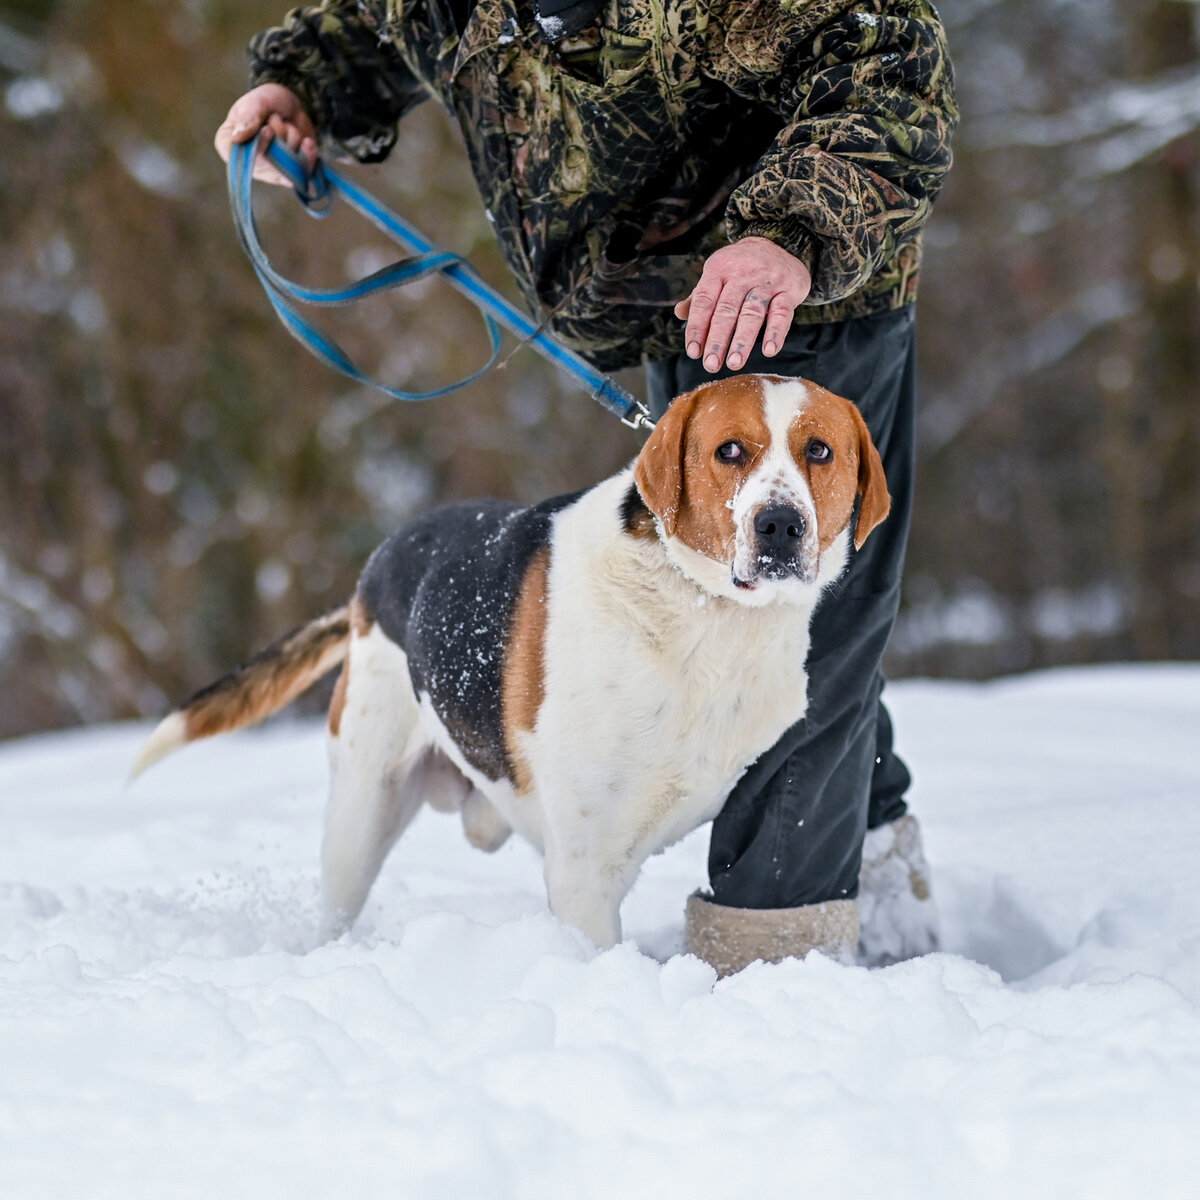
317,193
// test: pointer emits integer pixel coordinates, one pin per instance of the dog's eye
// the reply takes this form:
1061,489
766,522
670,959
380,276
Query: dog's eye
818,451
730,452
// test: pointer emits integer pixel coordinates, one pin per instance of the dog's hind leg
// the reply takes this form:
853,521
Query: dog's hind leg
373,746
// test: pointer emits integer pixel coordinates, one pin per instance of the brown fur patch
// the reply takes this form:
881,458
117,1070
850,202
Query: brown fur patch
854,470
678,473
872,484
271,679
523,682
691,491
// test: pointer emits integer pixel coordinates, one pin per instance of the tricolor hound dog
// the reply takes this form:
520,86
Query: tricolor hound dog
594,672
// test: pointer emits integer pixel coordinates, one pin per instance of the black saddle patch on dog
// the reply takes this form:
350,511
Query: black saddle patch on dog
444,589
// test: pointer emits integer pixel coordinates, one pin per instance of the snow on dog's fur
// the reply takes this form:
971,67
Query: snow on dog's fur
596,671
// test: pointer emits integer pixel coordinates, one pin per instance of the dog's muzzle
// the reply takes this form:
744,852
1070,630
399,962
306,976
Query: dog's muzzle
779,534
778,549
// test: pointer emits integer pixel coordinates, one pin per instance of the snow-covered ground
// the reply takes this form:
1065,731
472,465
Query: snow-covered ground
166,1031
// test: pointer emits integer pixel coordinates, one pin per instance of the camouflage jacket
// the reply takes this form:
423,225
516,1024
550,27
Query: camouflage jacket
613,165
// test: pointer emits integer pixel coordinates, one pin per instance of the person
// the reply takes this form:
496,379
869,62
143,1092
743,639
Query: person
703,187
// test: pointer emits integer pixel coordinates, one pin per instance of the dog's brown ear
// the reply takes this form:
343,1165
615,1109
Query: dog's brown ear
872,484
658,472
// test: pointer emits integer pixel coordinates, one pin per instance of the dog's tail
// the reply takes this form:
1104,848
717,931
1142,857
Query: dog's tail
271,679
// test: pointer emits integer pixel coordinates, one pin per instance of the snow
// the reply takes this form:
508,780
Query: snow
27,99
167,1031
553,28
152,166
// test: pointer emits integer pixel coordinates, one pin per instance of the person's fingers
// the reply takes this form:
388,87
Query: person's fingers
701,305
272,111
779,320
264,170
755,306
246,117
223,140
745,288
286,132
721,326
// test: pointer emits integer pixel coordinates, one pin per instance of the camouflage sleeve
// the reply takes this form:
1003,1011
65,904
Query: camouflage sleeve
354,85
867,90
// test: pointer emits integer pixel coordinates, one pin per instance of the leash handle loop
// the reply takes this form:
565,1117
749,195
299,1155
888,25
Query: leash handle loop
282,291
317,191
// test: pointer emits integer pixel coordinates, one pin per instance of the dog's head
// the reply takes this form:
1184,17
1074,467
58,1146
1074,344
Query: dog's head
753,482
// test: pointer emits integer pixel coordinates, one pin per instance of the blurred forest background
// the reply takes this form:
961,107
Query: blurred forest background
180,482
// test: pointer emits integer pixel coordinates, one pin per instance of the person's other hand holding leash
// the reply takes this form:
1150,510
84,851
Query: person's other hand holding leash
273,107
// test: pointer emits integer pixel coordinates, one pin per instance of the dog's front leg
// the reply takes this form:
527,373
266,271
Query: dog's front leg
587,893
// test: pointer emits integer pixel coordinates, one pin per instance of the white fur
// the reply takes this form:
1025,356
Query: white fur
775,479
653,713
376,746
390,755
168,736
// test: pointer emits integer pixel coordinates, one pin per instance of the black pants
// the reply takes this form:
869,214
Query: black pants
791,832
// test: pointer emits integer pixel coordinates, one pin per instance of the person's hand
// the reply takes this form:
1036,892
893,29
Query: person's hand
746,286
278,111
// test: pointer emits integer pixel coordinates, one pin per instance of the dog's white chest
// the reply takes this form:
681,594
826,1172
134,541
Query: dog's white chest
657,697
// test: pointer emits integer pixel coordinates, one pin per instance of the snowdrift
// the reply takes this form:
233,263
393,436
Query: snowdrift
166,1029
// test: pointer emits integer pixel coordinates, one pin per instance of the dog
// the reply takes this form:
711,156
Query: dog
594,672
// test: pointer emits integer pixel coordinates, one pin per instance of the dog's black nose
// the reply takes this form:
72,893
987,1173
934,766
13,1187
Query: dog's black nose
779,529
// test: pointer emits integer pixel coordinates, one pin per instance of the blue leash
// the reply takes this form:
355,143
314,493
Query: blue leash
317,193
